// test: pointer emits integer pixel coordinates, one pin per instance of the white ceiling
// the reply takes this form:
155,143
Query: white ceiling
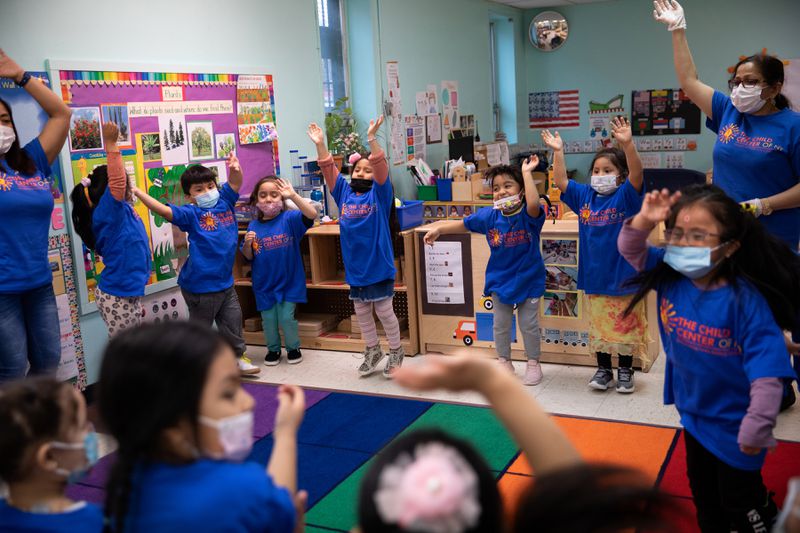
527,4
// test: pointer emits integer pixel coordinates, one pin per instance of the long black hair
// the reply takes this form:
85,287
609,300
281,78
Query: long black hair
81,208
761,259
771,69
152,378
369,519
17,158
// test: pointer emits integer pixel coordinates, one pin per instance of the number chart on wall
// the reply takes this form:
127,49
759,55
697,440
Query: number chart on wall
169,119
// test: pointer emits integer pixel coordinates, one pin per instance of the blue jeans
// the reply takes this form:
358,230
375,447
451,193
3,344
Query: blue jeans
29,333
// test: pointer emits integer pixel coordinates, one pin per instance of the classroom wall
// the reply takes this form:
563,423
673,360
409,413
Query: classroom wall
617,47
280,37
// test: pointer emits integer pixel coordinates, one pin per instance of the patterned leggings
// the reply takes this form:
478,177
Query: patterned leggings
118,312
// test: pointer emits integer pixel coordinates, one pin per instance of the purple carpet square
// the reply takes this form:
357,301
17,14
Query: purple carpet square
86,493
266,397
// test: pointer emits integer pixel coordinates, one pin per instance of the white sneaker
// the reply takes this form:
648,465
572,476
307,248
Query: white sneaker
246,367
506,363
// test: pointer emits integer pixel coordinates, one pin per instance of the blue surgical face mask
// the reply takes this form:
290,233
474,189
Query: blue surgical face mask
692,261
207,200
90,449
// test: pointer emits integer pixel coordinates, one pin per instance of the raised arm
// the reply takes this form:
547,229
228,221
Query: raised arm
283,461
621,130
671,13
377,159
153,205
117,181
543,443
555,143
55,130
235,176
288,193
531,193
324,158
444,228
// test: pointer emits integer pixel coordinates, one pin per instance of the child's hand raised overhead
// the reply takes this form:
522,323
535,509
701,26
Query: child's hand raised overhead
657,205
374,126
291,408
621,130
9,68
553,142
285,188
110,133
528,165
669,12
316,134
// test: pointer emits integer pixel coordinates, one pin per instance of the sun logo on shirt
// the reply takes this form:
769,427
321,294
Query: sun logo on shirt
728,133
585,213
495,238
208,222
5,183
256,247
667,313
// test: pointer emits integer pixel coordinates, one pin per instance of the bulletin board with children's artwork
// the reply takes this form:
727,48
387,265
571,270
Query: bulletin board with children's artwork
169,119
663,112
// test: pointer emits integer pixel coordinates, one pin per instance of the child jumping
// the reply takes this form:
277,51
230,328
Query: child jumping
104,218
725,288
615,194
515,272
272,243
365,205
206,280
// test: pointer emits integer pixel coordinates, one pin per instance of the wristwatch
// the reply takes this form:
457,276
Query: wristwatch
26,77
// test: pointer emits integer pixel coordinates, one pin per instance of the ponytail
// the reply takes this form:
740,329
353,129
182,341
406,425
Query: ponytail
781,102
84,200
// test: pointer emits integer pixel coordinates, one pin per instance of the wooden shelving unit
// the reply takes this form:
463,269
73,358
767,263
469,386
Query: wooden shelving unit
328,292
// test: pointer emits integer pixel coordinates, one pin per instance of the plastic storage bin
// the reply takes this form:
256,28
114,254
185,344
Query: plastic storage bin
444,188
410,214
426,192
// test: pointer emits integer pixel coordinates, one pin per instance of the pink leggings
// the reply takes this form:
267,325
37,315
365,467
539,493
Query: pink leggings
385,312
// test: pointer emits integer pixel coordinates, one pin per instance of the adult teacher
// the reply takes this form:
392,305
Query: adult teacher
29,329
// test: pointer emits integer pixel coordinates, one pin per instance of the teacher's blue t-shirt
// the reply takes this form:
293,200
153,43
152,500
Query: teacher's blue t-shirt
26,203
278,274
601,268
81,518
213,235
208,495
757,156
122,241
364,232
717,343
515,270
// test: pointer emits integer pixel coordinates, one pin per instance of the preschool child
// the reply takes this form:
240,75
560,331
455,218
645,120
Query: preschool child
206,280
46,442
365,206
104,218
272,243
171,395
614,194
725,288
515,272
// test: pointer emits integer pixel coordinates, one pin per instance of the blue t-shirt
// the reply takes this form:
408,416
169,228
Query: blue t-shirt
26,203
82,518
717,343
208,495
364,231
213,235
756,157
601,268
278,274
515,270
122,241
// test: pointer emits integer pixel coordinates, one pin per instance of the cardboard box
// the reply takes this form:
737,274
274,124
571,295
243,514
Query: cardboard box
462,191
253,324
480,187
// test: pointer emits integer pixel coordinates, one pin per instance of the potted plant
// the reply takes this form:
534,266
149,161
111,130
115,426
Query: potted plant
341,132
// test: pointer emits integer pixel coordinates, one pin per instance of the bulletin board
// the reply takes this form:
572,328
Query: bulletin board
663,112
170,118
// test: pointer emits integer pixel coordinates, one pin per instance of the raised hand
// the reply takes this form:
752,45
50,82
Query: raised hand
316,134
9,68
669,12
110,133
553,142
374,126
291,408
530,164
621,130
285,188
657,205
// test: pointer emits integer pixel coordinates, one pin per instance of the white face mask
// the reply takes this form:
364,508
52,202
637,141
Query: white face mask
235,434
605,185
7,138
747,100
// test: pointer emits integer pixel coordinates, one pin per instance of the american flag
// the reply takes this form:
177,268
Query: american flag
556,109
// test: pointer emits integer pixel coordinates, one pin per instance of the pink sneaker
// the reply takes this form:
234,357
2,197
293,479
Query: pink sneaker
505,363
533,373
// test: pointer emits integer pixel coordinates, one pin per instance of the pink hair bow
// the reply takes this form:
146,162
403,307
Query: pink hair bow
354,158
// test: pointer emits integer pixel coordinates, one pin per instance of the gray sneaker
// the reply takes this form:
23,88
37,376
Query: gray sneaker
602,379
372,356
625,383
395,361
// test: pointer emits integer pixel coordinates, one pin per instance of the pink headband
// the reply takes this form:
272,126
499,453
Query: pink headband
354,158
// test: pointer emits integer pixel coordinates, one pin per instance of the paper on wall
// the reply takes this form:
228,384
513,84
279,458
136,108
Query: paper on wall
673,160
432,96
415,137
433,128
651,160
443,273
449,96
398,141
422,103
174,140
493,155
68,366
504,155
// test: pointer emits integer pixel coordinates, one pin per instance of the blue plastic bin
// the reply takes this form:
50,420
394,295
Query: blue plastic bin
410,214
444,189
485,327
